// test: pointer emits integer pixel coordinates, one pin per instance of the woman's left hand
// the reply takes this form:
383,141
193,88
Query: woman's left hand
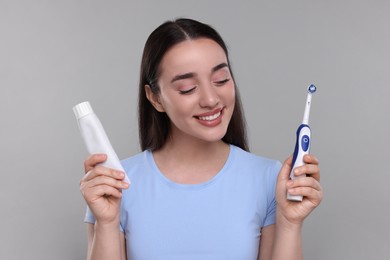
309,186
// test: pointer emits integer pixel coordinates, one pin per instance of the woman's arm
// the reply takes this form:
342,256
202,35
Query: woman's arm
284,239
108,242
278,242
266,242
101,188
288,241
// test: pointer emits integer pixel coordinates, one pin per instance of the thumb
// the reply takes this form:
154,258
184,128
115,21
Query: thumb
283,177
284,174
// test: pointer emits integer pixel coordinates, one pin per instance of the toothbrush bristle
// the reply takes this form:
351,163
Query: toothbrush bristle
312,88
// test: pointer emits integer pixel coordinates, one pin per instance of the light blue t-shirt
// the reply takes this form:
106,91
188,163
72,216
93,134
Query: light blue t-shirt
220,219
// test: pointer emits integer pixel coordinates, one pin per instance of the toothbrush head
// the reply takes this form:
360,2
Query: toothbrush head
311,89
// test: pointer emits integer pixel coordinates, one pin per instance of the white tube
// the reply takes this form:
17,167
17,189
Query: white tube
95,137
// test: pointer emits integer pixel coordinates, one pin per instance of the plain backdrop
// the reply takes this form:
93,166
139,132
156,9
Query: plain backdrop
55,54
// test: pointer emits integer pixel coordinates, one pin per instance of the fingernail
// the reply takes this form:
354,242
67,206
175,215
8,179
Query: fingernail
296,171
289,183
120,174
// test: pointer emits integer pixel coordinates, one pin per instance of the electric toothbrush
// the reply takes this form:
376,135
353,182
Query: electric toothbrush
302,145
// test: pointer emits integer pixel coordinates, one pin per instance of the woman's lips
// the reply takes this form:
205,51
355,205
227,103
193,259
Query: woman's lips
210,113
211,118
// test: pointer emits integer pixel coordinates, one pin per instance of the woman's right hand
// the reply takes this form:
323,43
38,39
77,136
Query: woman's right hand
101,188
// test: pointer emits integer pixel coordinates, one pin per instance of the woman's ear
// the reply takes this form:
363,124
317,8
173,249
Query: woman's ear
154,99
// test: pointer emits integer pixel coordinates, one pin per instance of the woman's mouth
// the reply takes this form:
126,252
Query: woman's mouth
211,117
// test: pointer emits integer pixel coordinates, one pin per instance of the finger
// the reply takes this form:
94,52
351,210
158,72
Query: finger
103,171
284,173
93,160
104,180
310,159
308,192
99,191
309,169
304,182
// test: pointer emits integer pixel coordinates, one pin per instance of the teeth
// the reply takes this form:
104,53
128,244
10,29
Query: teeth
209,118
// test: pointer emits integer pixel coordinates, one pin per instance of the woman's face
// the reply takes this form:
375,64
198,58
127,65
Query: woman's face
196,90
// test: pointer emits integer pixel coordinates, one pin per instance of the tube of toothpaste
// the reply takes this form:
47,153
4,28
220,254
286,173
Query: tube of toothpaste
95,137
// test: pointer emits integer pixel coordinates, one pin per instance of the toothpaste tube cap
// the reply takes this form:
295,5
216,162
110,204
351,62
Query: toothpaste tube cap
82,109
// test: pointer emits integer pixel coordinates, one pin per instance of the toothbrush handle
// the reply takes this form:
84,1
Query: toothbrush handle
302,147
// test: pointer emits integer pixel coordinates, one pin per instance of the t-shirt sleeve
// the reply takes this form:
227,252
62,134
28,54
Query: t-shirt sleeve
271,208
89,218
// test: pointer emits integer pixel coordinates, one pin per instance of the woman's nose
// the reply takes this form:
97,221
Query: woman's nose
209,96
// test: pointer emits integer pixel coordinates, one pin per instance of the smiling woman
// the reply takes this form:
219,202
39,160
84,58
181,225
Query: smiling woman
196,192
198,69
154,126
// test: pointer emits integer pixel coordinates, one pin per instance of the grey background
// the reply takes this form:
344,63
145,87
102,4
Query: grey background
55,54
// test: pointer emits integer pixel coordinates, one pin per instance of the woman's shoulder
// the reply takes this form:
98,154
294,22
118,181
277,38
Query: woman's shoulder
135,157
249,158
255,171
135,161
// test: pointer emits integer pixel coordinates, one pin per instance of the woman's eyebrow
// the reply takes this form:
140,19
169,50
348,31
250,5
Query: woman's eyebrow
192,74
183,76
219,66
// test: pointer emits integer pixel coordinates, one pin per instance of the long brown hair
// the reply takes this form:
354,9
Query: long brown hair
154,126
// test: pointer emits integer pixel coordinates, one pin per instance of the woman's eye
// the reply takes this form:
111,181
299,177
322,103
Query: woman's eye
221,82
188,91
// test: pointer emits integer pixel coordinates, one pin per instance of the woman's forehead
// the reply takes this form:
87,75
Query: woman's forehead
193,55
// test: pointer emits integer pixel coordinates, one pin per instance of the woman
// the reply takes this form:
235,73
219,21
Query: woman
196,192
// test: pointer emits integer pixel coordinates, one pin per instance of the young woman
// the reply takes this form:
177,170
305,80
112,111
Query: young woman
196,191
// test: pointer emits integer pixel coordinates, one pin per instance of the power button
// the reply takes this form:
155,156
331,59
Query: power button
305,142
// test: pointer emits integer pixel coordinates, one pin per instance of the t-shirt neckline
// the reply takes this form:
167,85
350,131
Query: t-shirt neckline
197,186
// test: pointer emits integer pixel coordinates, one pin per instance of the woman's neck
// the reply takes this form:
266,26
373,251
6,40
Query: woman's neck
191,161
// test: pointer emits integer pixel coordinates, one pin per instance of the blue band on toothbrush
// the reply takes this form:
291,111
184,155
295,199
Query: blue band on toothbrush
297,144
